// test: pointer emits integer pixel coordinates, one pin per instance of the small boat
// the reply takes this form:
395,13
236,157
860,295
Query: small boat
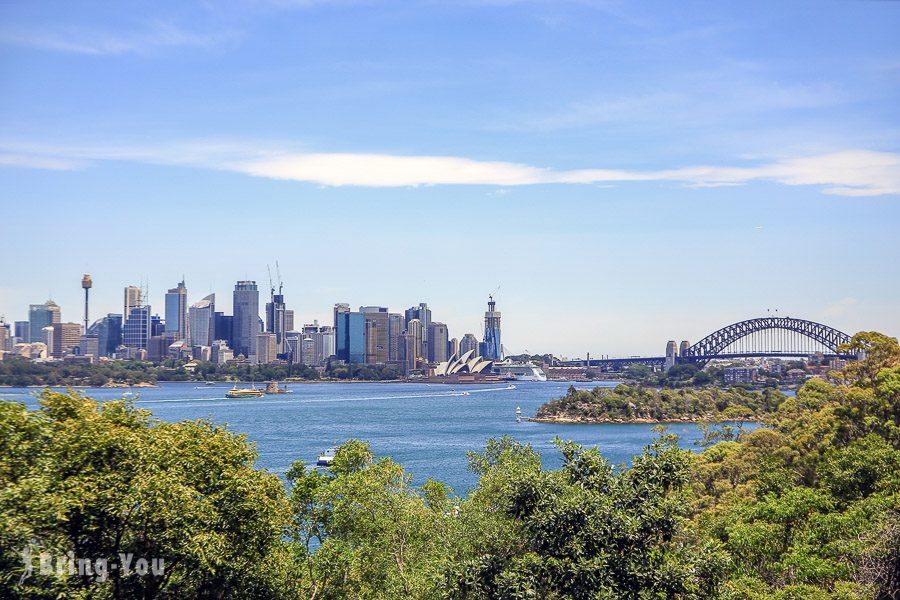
237,392
466,394
272,388
326,458
511,387
209,383
518,415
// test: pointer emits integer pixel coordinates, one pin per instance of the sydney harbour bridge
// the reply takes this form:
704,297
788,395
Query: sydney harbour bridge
762,337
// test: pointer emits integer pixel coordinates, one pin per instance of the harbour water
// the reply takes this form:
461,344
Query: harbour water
425,427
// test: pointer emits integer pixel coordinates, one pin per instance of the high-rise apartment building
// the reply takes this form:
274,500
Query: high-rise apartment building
246,318
469,342
266,348
423,314
350,334
41,316
308,355
201,321
492,349
413,342
66,337
396,326
288,320
438,340
177,313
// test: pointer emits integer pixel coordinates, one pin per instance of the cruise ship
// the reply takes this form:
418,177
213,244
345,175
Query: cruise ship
519,371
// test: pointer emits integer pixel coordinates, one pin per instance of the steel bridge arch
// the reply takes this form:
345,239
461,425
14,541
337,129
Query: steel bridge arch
713,344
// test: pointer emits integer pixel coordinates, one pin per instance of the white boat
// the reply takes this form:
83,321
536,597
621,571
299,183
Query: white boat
511,387
518,415
527,371
326,458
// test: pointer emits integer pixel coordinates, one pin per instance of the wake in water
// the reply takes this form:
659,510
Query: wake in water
296,400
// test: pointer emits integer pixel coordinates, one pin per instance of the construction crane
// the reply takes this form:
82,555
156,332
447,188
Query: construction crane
278,274
271,285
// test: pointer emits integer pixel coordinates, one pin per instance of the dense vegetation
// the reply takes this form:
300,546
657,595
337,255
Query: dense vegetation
635,403
806,508
19,372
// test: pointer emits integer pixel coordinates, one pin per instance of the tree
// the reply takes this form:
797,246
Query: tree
104,480
585,531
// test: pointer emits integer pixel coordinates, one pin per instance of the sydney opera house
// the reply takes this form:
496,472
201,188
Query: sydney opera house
464,368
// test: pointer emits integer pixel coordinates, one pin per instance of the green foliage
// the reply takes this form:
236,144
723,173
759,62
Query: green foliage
805,508
19,372
811,507
361,530
100,480
636,403
585,531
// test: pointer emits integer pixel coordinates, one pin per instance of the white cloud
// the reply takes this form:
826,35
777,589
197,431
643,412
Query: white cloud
850,173
155,36
40,162
846,173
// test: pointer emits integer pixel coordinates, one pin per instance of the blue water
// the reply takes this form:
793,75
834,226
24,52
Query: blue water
425,427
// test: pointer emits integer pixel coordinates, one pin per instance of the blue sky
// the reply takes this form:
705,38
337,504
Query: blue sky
626,173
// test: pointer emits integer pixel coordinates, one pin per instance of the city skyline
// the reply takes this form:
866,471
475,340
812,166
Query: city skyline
625,174
260,300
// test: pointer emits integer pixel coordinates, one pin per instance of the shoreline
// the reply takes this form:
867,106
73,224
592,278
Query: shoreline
637,420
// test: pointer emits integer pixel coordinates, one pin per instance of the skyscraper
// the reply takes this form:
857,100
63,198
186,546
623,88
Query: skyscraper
137,329
396,325
276,315
246,318
66,336
109,334
492,348
201,321
176,313
453,347
377,330
224,328
469,342
413,342
133,297
437,346
423,314
5,335
22,330
350,334
265,348
41,316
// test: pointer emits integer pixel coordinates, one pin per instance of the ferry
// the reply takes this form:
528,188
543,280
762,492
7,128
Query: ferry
527,371
250,392
326,458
